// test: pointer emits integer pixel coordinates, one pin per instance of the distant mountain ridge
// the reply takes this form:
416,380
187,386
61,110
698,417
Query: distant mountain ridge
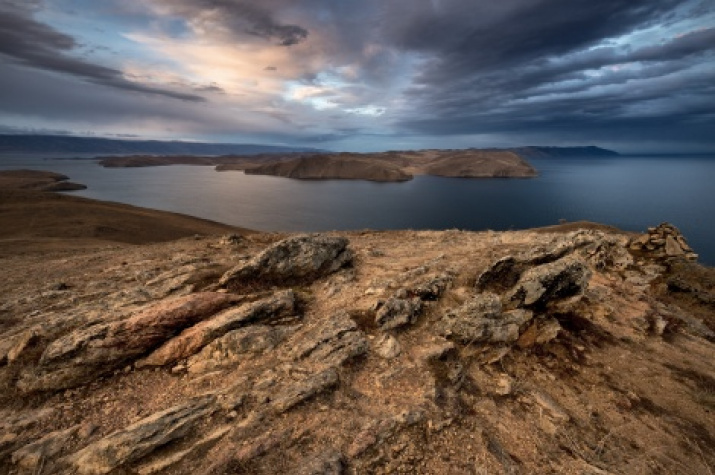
70,144
552,152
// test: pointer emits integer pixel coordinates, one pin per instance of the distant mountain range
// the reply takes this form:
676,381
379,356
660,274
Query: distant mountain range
549,152
69,144
103,146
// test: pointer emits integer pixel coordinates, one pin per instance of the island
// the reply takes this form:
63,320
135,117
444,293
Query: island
391,166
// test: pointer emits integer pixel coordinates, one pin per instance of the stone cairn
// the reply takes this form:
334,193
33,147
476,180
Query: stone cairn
665,240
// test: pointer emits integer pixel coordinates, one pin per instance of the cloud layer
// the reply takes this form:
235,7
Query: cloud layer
366,74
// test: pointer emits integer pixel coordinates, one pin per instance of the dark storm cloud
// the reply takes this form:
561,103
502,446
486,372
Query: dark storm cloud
470,37
31,43
526,70
538,67
238,17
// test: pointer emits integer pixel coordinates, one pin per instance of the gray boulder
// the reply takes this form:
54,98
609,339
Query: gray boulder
397,312
481,320
539,285
295,260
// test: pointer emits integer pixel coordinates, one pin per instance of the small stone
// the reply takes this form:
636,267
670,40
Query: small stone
398,312
330,462
387,346
672,249
658,325
504,385
435,351
179,368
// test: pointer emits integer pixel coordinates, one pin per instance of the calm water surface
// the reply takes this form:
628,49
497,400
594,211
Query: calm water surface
631,193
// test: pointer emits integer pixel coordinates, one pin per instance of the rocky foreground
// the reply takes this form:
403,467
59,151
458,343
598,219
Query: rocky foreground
563,350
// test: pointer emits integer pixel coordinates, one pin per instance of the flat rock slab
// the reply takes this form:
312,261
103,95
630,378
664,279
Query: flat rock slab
295,260
330,342
141,438
237,345
295,392
31,456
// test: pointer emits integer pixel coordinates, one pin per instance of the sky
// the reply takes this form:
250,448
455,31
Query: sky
364,75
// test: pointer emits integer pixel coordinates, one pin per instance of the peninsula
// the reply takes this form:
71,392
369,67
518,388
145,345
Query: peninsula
37,180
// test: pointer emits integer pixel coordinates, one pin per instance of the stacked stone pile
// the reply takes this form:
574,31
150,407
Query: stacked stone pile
665,240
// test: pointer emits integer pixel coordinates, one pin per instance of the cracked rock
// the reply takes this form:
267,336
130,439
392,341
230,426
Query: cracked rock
83,355
294,260
481,320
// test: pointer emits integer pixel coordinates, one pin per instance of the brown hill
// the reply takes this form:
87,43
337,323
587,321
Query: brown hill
480,164
328,167
400,166
31,221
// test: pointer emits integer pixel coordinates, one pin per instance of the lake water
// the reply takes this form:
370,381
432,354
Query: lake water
630,193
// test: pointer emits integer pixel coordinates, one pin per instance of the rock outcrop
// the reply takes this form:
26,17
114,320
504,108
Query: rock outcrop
292,261
85,354
191,340
141,438
482,320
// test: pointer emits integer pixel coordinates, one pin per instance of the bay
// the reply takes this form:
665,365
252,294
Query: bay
629,192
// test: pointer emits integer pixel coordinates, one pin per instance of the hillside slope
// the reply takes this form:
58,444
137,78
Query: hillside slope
35,221
325,167
559,350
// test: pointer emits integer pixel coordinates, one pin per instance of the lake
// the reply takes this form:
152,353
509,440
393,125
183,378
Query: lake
630,192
